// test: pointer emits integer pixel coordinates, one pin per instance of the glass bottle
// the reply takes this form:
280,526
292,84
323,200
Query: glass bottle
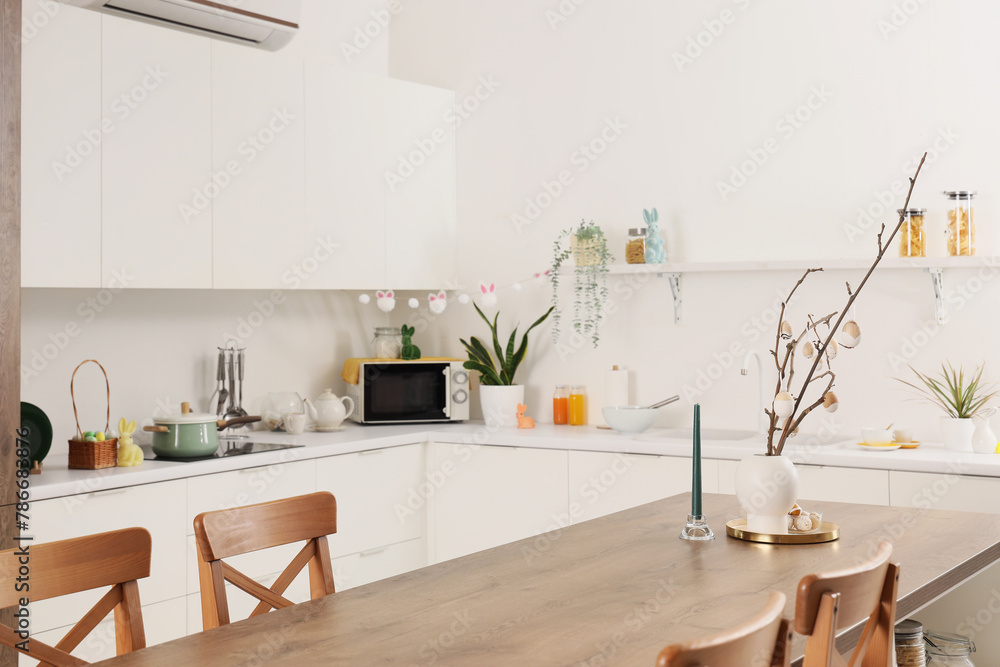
635,246
961,229
911,233
947,650
388,343
560,405
577,405
910,644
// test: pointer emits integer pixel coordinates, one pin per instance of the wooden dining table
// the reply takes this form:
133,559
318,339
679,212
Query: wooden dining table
610,591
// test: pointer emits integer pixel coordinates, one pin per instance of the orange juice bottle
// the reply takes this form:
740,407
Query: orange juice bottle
577,405
560,405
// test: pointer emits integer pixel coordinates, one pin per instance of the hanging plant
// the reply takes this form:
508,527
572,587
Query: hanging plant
589,249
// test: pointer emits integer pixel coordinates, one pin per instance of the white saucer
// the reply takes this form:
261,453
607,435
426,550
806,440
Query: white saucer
327,429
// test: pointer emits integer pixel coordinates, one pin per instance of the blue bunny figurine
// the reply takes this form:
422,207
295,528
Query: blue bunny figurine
655,252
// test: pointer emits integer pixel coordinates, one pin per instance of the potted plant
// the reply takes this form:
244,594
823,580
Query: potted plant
498,395
589,249
960,400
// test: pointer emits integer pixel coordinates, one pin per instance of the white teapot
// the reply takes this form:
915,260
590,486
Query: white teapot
329,411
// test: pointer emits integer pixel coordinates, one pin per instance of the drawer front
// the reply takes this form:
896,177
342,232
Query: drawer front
242,604
845,485
157,507
379,501
249,486
377,564
162,622
945,491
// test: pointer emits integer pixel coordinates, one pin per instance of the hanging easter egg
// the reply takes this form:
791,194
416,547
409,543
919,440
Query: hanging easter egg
784,404
850,334
809,350
830,402
365,299
832,349
786,330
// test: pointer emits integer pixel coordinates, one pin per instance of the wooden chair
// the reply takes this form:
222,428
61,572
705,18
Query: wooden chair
831,601
760,642
226,533
113,559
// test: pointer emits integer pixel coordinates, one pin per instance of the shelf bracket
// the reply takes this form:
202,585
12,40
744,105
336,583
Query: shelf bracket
675,290
937,279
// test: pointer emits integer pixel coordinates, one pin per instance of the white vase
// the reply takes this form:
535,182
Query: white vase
499,403
767,488
957,433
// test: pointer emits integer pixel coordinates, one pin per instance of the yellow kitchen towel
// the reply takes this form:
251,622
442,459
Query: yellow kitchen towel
352,367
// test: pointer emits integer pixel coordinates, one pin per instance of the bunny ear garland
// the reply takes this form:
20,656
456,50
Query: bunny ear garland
437,302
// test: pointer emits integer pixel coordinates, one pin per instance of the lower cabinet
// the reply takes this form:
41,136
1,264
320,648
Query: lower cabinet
825,483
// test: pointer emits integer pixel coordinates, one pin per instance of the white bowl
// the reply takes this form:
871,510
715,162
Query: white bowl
876,436
629,418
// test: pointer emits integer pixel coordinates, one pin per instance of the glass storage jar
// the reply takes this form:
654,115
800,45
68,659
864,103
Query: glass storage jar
911,233
961,229
577,405
947,650
635,246
910,644
388,343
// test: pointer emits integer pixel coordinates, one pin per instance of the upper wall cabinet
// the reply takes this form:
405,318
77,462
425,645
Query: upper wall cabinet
157,163
258,208
61,136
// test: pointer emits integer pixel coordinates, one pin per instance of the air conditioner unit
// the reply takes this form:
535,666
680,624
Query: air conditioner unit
268,24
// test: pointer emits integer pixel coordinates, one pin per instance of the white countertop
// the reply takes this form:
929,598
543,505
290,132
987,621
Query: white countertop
57,480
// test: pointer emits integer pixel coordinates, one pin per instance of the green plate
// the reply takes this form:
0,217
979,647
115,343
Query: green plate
39,430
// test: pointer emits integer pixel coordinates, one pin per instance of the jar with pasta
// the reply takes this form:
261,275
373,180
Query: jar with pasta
635,246
910,644
911,233
961,229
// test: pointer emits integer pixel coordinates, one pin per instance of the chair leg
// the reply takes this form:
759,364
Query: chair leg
820,645
782,656
880,651
214,607
129,632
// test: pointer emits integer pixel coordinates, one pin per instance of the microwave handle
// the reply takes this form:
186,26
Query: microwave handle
447,390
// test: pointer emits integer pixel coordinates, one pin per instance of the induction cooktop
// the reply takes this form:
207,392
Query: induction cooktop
226,448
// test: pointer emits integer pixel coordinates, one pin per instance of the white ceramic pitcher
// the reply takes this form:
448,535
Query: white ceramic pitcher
984,440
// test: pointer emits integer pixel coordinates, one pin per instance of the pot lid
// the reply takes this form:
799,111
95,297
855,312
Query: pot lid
189,418
327,395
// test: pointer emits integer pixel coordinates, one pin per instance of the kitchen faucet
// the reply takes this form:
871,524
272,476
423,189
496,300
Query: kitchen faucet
762,420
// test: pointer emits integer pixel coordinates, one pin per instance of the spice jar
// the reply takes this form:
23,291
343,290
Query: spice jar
961,228
910,644
388,343
911,233
635,246
947,650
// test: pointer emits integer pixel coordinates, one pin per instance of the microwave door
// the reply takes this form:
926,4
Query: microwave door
405,392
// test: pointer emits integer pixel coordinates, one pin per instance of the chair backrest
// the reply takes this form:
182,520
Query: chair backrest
831,601
760,642
117,559
226,533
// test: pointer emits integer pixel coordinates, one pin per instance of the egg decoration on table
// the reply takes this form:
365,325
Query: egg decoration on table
830,402
784,404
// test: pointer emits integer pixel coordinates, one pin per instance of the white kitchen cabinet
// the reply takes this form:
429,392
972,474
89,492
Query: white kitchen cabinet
344,178
257,209
162,622
601,483
421,226
157,507
830,483
61,137
948,490
484,496
157,164
375,493
377,564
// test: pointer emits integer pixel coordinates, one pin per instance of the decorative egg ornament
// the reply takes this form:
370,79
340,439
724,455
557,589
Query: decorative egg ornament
786,330
809,350
830,402
832,349
784,404
850,334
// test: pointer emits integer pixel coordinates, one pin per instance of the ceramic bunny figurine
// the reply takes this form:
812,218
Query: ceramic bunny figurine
386,301
410,351
129,454
437,302
655,252
488,298
522,421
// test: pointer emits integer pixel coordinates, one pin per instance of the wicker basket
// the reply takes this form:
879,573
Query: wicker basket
587,252
85,455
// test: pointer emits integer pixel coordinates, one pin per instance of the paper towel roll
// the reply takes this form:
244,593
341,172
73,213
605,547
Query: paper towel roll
616,387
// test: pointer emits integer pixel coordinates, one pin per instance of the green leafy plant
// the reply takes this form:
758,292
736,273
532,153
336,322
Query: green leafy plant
590,287
949,390
502,370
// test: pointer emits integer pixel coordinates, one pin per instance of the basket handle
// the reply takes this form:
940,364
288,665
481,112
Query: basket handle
76,415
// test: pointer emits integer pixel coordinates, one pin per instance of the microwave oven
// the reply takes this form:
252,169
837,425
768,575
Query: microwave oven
401,392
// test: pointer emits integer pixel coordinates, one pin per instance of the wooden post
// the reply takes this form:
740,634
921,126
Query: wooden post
10,275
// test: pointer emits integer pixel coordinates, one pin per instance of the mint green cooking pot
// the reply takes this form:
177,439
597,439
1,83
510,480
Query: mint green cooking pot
189,435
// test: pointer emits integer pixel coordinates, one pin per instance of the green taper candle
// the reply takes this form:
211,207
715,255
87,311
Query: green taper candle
696,464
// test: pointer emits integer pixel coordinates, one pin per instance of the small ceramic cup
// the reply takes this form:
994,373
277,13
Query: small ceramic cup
903,435
295,422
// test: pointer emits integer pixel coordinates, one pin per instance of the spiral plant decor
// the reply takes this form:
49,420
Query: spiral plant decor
819,342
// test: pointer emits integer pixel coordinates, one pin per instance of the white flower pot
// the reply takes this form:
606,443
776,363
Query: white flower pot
499,403
767,488
957,433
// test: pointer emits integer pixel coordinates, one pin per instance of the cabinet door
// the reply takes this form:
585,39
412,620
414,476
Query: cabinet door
377,564
61,136
944,491
157,164
421,223
601,483
841,485
258,211
486,496
345,187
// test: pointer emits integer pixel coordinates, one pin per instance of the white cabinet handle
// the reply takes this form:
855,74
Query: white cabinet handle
109,492
369,452
372,552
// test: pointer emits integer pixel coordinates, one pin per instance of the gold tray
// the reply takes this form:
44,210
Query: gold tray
828,532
